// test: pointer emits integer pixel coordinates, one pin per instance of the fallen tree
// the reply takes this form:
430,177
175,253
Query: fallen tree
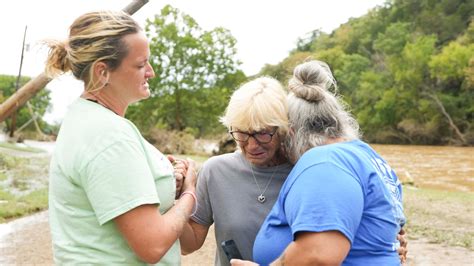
19,98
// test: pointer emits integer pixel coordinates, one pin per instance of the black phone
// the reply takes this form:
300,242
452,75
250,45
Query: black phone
231,250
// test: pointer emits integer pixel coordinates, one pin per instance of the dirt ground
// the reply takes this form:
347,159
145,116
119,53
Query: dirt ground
27,241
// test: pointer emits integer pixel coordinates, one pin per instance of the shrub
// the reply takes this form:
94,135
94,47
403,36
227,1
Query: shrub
171,142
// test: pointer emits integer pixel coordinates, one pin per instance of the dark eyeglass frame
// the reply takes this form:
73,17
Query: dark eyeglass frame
254,135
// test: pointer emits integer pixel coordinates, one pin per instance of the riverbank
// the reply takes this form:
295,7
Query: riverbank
439,228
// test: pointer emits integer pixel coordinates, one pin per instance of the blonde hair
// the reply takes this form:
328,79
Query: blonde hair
93,37
315,113
256,105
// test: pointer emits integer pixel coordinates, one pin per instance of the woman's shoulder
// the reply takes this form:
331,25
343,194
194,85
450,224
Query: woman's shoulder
339,149
223,160
88,123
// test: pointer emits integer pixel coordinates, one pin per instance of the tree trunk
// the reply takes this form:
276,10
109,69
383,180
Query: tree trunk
448,117
20,97
178,121
26,92
134,6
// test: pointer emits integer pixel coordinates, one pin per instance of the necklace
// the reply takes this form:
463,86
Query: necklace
261,198
97,102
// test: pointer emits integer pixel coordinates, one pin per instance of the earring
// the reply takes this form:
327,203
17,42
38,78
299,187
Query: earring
103,73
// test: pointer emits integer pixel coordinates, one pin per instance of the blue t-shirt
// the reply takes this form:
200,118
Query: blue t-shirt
345,187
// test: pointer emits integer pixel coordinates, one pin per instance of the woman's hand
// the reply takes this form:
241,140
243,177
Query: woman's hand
180,167
237,262
190,178
402,250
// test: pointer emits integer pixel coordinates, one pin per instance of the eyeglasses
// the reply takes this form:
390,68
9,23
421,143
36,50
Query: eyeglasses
262,137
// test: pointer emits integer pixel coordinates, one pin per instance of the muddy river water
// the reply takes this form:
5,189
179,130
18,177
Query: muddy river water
436,167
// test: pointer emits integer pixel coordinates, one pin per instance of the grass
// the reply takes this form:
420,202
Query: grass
23,182
13,146
3,176
9,162
442,217
14,207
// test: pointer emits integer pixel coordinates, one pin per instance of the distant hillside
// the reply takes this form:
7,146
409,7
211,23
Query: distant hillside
406,69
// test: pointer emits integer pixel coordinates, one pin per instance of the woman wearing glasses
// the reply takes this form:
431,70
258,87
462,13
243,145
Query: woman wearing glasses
237,190
341,204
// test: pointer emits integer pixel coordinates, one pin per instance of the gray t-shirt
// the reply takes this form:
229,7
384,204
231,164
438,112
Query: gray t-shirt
227,196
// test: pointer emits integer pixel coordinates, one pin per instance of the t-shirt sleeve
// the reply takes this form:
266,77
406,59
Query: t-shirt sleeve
325,197
119,179
203,213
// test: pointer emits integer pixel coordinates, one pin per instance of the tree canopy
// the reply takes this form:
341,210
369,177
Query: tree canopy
406,69
196,71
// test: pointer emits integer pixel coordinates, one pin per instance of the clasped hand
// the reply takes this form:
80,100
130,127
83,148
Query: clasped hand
184,173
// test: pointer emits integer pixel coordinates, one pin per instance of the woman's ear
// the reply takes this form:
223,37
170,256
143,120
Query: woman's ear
101,72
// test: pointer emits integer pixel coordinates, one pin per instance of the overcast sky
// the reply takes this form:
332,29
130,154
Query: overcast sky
266,30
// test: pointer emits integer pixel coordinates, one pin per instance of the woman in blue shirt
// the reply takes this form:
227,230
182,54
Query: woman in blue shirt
341,203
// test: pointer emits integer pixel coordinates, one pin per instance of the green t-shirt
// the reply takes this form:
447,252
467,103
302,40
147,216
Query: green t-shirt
101,168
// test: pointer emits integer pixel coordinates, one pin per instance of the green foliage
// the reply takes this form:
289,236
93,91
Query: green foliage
284,69
40,102
452,62
196,71
349,73
13,207
406,68
392,41
411,68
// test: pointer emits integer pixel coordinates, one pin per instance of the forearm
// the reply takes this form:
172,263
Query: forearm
292,260
174,223
193,237
292,256
327,248
178,216
150,234
188,241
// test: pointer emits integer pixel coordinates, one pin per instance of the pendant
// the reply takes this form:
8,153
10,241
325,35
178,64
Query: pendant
261,198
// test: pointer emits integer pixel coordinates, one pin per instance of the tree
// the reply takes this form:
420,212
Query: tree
189,63
406,68
283,70
392,41
40,102
11,104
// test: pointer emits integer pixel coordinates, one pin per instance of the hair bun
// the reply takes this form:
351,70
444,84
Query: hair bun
57,62
311,81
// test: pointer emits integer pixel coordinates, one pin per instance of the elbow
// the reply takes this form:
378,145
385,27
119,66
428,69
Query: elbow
188,249
152,256
151,259
321,259
185,252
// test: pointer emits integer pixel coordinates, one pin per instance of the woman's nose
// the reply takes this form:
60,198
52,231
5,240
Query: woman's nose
150,72
252,142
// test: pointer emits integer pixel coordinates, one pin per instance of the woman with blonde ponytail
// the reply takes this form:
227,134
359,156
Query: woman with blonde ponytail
342,203
112,194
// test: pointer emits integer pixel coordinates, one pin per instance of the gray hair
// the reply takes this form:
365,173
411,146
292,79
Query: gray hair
316,114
